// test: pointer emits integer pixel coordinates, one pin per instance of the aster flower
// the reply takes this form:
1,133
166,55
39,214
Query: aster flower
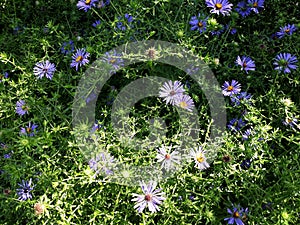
218,31
243,9
102,4
151,197
5,75
96,23
102,162
24,190
21,107
246,134
170,91
219,6
96,127
67,47
236,124
232,30
30,130
246,63
237,99
236,215
192,70
246,164
198,23
199,158
292,122
120,25
79,58
184,102
91,97
255,5
86,5
42,69
229,89
285,62
169,159
286,30
7,156
114,59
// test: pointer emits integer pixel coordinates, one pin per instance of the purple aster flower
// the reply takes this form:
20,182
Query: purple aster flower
151,197
218,31
243,9
67,47
5,75
96,23
102,162
231,89
185,102
236,124
92,96
255,5
285,62
170,91
236,215
231,30
96,127
7,156
198,23
246,164
42,69
198,155
286,30
246,63
292,122
114,59
192,70
121,25
21,107
246,134
86,5
4,146
169,159
24,190
219,6
30,130
237,99
79,58
102,4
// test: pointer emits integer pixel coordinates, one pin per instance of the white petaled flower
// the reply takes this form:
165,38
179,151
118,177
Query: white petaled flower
151,197
185,102
170,91
198,156
169,159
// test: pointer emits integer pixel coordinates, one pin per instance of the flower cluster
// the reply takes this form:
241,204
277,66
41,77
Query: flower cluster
173,93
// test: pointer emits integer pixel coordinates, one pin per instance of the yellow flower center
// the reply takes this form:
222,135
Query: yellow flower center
255,4
218,6
287,30
28,129
148,197
87,2
244,64
230,88
183,104
112,61
236,214
79,58
200,24
200,158
167,156
289,120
